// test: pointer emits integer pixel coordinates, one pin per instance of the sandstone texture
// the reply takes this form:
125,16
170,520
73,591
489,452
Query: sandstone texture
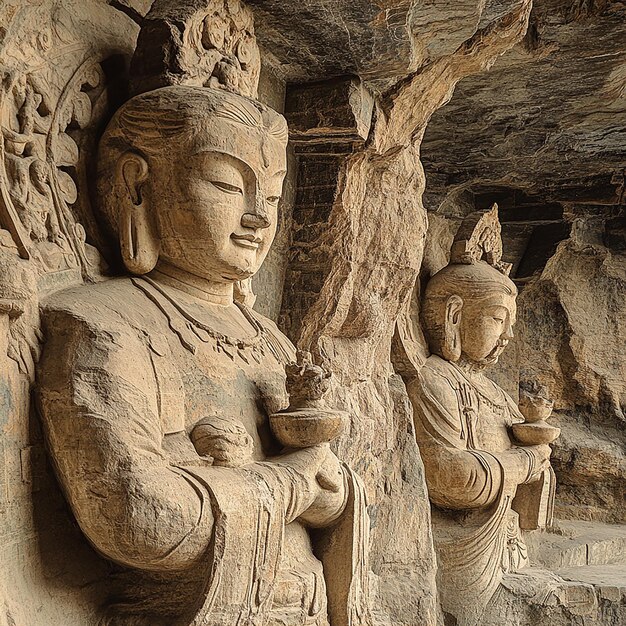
181,449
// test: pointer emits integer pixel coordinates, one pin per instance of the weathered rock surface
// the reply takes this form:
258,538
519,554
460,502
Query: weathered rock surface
542,133
548,117
546,124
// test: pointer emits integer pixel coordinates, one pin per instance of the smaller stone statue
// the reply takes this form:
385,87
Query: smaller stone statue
487,470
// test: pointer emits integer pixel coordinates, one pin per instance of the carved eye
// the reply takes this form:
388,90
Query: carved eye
227,187
499,319
273,199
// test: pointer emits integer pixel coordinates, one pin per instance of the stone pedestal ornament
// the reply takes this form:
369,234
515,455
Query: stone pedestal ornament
488,471
190,440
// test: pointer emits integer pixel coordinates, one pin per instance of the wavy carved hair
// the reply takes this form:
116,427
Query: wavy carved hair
160,123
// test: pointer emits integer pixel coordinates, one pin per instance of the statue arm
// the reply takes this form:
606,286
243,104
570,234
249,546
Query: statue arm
457,477
98,405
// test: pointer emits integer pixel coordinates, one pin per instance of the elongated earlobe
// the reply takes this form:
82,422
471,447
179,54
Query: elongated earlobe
139,242
451,347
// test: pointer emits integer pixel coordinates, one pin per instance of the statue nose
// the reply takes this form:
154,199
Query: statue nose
257,218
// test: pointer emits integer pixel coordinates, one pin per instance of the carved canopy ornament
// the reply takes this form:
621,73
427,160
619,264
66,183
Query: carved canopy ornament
479,239
44,109
202,43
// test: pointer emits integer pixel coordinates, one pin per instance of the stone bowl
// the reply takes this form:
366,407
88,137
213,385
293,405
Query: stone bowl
306,427
534,434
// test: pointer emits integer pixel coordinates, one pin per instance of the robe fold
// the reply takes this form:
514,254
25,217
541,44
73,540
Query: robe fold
472,475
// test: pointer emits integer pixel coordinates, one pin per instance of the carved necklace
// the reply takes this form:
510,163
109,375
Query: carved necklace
189,329
499,405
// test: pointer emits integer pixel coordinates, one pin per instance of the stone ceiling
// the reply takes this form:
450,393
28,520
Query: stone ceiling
550,116
379,40
548,119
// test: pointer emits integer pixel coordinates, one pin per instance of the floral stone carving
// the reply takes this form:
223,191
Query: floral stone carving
488,472
156,388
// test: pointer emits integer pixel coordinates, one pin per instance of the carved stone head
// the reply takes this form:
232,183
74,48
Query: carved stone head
469,310
469,306
192,176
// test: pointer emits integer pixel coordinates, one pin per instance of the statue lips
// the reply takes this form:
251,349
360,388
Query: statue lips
493,356
247,241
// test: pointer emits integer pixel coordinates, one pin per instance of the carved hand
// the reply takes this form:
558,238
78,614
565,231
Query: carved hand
540,461
326,480
227,441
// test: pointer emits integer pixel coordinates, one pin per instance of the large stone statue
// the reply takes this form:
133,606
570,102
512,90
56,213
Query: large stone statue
487,471
163,394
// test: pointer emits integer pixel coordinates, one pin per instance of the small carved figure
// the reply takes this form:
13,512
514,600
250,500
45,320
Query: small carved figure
226,441
479,476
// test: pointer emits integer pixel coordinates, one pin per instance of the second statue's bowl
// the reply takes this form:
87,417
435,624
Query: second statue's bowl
303,428
535,434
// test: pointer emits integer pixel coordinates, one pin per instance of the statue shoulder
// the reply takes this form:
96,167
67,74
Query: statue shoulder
437,380
115,304
437,373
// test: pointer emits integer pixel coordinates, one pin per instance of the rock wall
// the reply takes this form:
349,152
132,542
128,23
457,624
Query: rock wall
351,247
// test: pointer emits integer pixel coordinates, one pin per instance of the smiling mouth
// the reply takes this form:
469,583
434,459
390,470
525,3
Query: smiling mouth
247,241
497,351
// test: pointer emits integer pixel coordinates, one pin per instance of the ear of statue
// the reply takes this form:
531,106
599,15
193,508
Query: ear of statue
139,242
451,348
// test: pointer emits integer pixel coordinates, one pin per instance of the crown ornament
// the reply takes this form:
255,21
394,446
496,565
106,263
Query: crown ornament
200,43
479,238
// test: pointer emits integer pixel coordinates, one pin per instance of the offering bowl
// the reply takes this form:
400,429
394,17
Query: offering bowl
534,434
306,427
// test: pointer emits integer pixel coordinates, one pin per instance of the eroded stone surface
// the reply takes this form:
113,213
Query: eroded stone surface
548,117
349,261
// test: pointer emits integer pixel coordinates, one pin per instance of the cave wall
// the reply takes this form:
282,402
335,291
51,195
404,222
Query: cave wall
359,87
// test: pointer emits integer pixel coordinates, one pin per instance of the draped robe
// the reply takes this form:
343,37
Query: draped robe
472,470
125,375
